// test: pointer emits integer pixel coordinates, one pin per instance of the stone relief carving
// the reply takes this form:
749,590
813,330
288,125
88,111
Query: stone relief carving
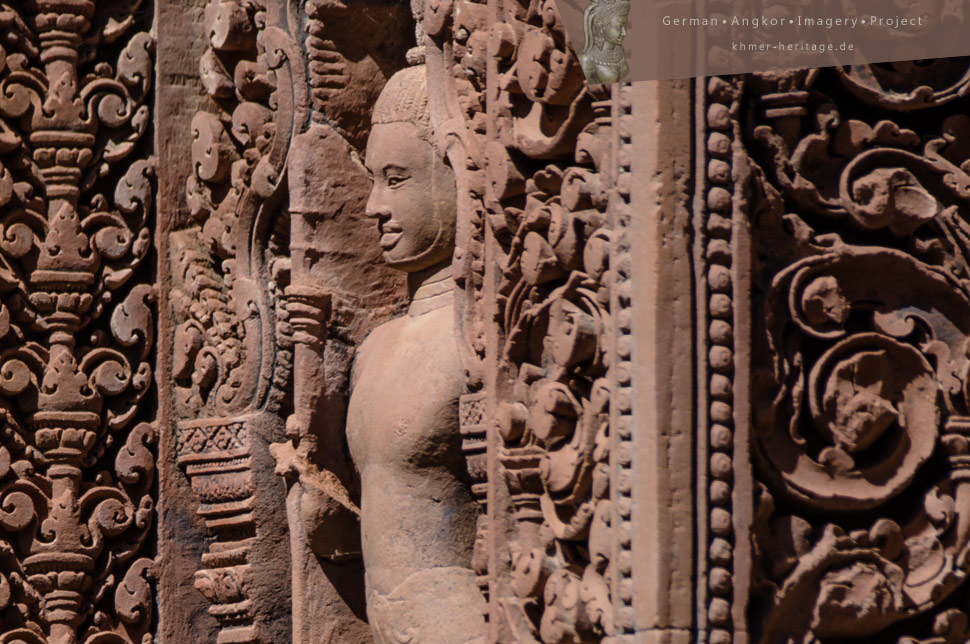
534,190
232,369
76,325
418,516
340,289
490,493
860,385
716,241
541,210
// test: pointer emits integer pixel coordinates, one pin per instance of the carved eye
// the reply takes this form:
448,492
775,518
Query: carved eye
395,181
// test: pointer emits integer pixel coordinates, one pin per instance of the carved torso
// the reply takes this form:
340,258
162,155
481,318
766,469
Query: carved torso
417,514
603,66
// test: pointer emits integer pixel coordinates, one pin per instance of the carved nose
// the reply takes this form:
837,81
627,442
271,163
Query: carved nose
376,208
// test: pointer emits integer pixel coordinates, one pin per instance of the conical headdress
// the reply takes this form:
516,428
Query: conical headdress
405,100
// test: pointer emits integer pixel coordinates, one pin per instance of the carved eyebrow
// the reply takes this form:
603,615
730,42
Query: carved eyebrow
392,166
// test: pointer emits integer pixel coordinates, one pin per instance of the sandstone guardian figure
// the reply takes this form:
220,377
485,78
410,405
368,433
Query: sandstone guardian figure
417,513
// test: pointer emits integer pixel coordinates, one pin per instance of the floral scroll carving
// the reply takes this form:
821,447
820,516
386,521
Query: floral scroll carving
232,359
533,168
556,304
860,413
76,325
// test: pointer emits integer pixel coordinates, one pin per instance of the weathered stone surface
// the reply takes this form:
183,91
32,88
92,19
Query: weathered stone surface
858,354
77,327
456,348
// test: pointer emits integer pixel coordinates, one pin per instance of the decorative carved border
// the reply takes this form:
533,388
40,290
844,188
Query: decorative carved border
622,421
76,324
716,240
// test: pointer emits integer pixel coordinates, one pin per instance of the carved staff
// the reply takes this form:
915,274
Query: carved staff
338,290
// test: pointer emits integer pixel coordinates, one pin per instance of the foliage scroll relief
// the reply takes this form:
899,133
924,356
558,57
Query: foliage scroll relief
76,323
229,367
855,204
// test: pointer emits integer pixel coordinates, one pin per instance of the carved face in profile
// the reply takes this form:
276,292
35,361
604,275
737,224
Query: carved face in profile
614,31
413,197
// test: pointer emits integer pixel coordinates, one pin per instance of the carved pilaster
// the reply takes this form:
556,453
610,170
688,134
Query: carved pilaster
473,425
217,456
76,469
233,350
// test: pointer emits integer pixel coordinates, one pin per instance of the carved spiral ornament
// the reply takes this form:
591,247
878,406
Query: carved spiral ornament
874,421
860,402
76,323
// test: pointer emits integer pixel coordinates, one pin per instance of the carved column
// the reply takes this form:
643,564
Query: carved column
657,495
229,267
76,466
561,278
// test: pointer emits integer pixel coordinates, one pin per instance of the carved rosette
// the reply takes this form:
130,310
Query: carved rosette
860,340
232,360
532,148
76,466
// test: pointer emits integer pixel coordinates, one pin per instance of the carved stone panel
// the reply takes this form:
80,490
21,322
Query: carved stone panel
433,342
76,324
229,267
274,281
851,202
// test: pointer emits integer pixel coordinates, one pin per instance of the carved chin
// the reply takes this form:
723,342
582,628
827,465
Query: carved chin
406,263
395,257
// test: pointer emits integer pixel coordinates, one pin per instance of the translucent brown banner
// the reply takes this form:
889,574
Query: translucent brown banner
654,40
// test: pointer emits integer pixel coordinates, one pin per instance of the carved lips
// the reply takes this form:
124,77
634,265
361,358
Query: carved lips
391,233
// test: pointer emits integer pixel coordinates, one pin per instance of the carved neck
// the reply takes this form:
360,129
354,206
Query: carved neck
605,52
430,289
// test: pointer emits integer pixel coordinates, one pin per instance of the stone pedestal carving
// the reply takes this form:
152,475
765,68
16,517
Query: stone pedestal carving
217,455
